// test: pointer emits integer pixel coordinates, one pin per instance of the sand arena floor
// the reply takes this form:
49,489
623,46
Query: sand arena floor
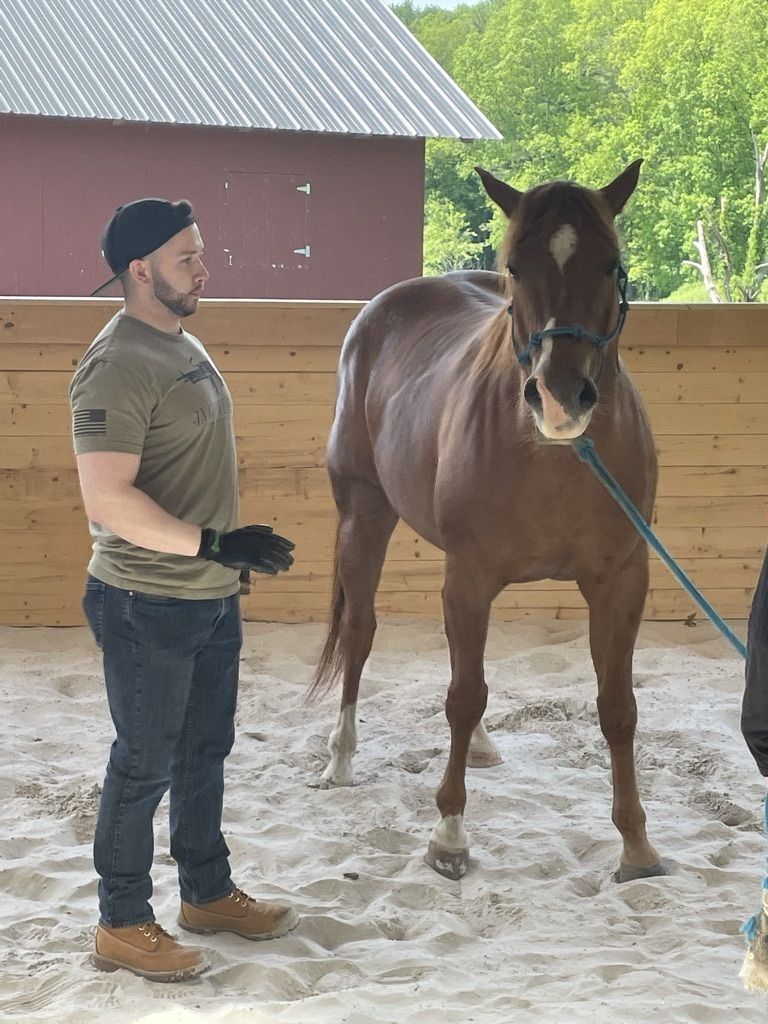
536,932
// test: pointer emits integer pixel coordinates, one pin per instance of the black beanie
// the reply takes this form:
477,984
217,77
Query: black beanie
138,228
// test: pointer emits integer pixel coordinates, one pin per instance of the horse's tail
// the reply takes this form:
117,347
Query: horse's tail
331,662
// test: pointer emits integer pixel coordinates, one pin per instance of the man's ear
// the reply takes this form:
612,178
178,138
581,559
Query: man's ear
137,273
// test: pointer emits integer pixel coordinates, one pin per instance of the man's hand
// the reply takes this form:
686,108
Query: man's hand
250,547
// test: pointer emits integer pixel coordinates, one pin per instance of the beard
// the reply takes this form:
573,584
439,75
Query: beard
179,303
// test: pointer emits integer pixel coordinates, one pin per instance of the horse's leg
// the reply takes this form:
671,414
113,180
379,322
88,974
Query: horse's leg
366,522
615,611
466,605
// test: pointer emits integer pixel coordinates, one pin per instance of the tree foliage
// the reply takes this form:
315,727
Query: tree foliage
449,244
579,88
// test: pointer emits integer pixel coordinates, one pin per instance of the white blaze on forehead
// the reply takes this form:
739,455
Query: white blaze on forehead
563,244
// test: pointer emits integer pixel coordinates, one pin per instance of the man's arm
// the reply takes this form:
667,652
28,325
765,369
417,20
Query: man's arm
107,485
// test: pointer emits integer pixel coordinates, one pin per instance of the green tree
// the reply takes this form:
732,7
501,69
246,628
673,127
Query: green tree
448,242
515,70
581,87
698,107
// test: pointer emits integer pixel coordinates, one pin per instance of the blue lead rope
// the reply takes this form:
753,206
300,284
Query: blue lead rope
585,450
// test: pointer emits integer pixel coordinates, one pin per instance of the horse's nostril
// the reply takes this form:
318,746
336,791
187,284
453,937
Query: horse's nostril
588,395
531,392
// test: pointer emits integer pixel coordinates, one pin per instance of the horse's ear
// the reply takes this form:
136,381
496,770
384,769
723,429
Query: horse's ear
621,188
503,195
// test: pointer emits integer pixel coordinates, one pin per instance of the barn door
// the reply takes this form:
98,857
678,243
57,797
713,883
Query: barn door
265,234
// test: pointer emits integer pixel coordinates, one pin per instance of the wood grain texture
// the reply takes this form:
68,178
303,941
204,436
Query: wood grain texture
702,370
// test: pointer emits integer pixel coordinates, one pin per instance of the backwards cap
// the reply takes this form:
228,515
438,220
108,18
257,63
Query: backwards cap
138,228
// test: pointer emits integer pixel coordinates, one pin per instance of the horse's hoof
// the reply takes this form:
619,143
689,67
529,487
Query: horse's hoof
484,760
334,784
628,873
449,863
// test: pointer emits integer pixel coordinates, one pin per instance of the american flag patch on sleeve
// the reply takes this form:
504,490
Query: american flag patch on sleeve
89,423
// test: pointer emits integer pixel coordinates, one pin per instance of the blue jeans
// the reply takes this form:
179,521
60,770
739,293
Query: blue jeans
171,670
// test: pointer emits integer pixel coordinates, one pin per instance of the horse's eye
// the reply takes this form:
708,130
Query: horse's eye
512,271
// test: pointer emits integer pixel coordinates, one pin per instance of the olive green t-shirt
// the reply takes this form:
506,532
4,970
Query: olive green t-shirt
159,396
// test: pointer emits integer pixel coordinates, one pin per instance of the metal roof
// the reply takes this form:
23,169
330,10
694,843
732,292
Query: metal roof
302,65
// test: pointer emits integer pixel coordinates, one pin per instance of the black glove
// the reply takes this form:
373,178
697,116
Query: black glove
250,547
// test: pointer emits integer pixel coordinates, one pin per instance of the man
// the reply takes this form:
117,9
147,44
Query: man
153,436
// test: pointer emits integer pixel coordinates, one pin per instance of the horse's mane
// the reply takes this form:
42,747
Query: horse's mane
541,211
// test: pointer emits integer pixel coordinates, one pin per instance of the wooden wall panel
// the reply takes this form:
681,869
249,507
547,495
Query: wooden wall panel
703,372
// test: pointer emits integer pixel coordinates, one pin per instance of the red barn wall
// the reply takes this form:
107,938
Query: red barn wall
357,202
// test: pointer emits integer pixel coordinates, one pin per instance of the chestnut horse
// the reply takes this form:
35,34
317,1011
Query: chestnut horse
457,399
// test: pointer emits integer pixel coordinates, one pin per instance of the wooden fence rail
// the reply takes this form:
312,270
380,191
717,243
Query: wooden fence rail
702,370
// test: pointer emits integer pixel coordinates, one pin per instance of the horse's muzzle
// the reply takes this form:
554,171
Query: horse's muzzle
561,413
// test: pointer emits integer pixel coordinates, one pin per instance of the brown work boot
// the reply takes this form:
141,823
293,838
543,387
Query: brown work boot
240,914
754,971
147,950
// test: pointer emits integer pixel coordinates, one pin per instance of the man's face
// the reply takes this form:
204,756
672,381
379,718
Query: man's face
177,272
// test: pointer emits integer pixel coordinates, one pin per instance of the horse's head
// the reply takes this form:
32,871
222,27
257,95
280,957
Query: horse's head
566,285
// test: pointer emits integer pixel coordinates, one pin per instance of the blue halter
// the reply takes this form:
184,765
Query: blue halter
576,331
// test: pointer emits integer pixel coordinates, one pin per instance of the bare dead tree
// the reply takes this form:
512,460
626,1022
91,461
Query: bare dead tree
709,238
761,159
704,266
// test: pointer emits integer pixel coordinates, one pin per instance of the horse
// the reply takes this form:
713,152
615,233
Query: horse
458,397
